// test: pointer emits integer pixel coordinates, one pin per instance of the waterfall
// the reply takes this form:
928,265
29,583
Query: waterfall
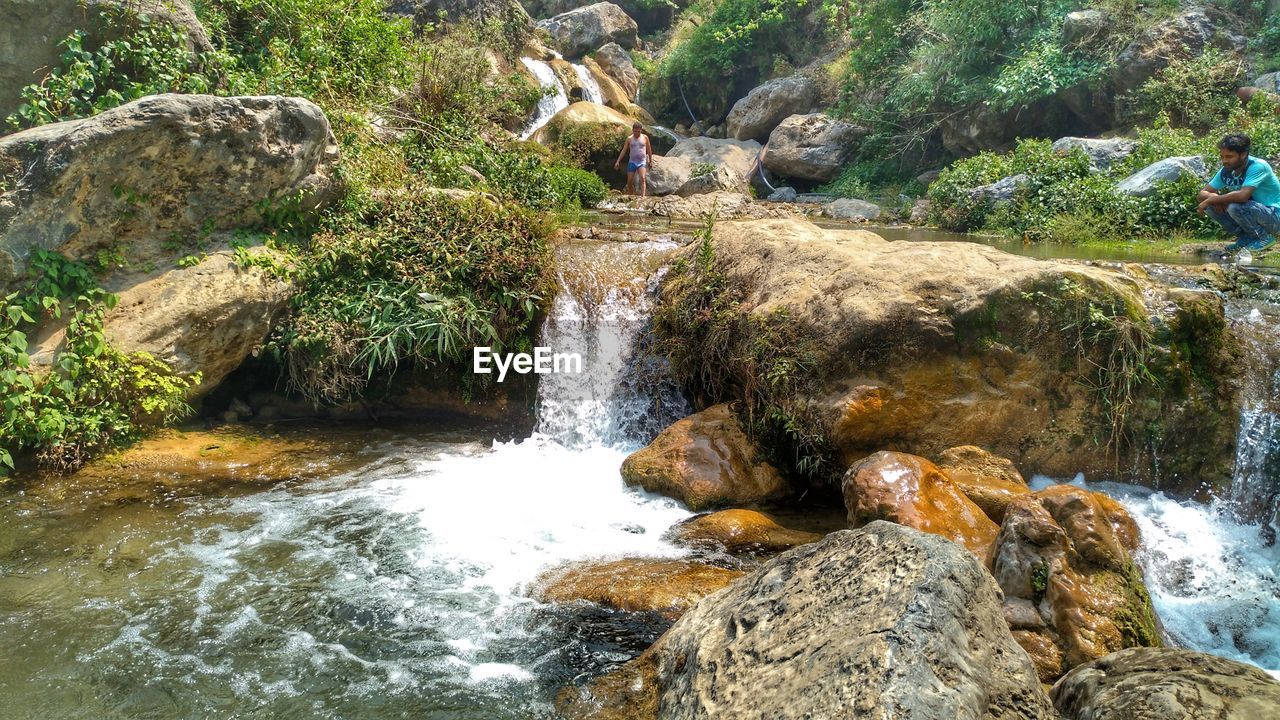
590,88
550,103
1255,487
668,132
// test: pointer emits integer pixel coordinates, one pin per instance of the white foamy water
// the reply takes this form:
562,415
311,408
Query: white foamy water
590,88
551,103
1213,580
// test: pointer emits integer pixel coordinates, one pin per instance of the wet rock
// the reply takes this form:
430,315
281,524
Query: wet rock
705,461
756,115
1145,181
29,43
665,586
812,147
991,482
807,635
581,30
1066,552
851,209
912,491
739,531
1102,152
783,194
668,174
131,178
616,62
1166,684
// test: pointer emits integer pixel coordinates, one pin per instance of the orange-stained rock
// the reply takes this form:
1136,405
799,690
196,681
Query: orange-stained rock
1064,554
705,460
628,693
912,491
738,531
990,481
665,586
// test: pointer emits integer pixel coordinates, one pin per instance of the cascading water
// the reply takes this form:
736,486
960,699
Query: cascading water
1255,486
395,590
555,99
590,88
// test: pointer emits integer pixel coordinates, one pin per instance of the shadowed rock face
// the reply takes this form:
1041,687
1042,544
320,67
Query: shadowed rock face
1166,684
705,461
881,622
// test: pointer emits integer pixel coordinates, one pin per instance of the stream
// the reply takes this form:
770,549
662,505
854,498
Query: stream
395,584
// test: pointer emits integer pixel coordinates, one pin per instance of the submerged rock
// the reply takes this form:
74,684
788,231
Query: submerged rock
1064,561
581,30
756,115
884,620
134,177
665,586
705,461
1166,684
912,491
739,531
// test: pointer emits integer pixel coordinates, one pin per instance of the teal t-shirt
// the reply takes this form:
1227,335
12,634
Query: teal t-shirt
1258,175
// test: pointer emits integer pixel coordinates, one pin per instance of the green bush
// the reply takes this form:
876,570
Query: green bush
413,282
93,397
573,187
1198,93
147,57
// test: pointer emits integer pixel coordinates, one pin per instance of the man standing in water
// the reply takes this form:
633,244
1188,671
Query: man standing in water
640,155
1244,197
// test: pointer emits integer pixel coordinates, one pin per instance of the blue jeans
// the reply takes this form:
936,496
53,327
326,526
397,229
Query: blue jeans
1247,221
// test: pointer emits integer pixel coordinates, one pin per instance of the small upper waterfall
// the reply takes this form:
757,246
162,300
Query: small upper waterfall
1255,488
590,88
551,103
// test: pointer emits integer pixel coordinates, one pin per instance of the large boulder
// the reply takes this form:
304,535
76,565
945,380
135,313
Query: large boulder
736,156
812,147
879,622
1166,684
1147,180
590,132
924,346
1185,35
582,30
166,166
912,491
1102,152
616,62
756,115
713,179
1073,592
667,174
851,209
31,30
705,460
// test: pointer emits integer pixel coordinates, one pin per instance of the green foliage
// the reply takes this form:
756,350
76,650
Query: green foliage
1041,68
329,52
700,169
721,354
1198,93
850,184
93,397
147,57
414,280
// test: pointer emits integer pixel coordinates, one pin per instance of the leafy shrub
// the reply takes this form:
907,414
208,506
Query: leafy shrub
147,58
1198,93
574,187
94,397
414,281
1042,68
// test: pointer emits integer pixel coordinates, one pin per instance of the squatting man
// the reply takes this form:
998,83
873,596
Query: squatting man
1244,197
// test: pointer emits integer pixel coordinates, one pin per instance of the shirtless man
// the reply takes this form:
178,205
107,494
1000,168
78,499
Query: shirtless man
640,153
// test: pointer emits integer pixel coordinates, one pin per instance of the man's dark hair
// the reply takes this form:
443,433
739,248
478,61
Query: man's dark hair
1236,143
